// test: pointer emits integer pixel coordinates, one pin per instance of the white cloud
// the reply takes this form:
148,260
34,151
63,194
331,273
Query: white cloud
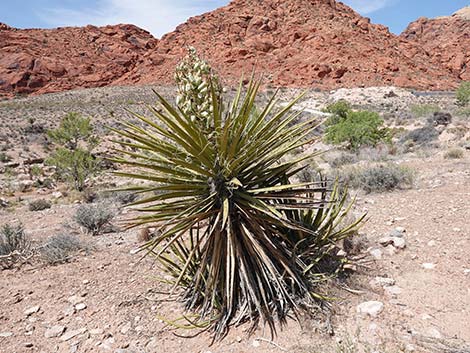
365,7
156,16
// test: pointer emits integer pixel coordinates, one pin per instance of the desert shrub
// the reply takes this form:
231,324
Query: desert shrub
454,153
464,112
338,110
14,245
75,166
423,110
94,217
39,205
241,240
358,129
73,158
421,136
4,158
72,131
340,159
379,178
463,94
60,248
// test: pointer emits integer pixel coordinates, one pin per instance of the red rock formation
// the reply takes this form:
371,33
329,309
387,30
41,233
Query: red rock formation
38,60
319,43
309,43
446,39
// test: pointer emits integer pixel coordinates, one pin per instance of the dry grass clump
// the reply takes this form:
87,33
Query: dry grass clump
454,153
94,217
15,245
39,205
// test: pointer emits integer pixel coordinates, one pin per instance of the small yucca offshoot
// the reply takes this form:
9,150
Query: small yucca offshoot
243,242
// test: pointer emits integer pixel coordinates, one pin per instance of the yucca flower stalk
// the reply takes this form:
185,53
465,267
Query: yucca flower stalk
240,240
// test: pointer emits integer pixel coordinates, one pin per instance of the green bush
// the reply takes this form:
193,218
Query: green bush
357,129
73,157
463,94
379,178
241,240
338,110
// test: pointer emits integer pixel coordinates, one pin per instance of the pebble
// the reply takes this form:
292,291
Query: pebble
32,310
6,334
431,243
126,328
399,243
382,281
434,333
74,299
96,331
371,308
255,343
390,250
397,232
428,266
392,291
71,334
376,254
80,306
29,344
54,331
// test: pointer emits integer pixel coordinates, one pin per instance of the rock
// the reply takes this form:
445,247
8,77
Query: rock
54,331
428,266
385,241
440,118
397,232
74,299
371,308
126,328
382,282
80,306
434,333
376,254
96,331
6,334
32,310
390,250
68,335
57,195
69,311
399,243
28,344
392,291
255,343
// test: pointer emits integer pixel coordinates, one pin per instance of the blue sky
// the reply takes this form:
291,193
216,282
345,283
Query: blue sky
161,16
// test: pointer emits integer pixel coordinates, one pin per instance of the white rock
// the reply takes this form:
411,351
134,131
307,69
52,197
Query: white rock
385,241
434,333
6,334
399,243
54,331
371,308
255,343
428,266
57,194
80,306
71,334
32,310
390,250
410,348
96,331
382,281
392,291
74,299
431,243
376,254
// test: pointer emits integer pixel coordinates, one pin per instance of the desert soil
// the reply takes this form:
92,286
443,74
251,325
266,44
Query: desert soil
426,301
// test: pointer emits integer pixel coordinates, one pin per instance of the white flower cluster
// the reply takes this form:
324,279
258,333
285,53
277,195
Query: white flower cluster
194,78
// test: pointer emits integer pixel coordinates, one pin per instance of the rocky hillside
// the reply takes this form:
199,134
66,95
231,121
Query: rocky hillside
319,43
38,60
446,39
303,43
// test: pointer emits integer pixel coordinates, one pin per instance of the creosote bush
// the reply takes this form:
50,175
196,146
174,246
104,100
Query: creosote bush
421,136
354,128
242,241
94,217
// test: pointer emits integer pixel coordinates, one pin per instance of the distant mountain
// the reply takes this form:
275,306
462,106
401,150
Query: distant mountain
302,43
446,39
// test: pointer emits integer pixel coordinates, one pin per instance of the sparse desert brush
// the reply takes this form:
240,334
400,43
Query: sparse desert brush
243,242
357,129
15,245
378,178
341,158
424,110
421,136
61,248
39,205
4,158
454,153
94,217
463,94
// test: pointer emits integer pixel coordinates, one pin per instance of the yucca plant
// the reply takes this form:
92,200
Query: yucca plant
239,238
